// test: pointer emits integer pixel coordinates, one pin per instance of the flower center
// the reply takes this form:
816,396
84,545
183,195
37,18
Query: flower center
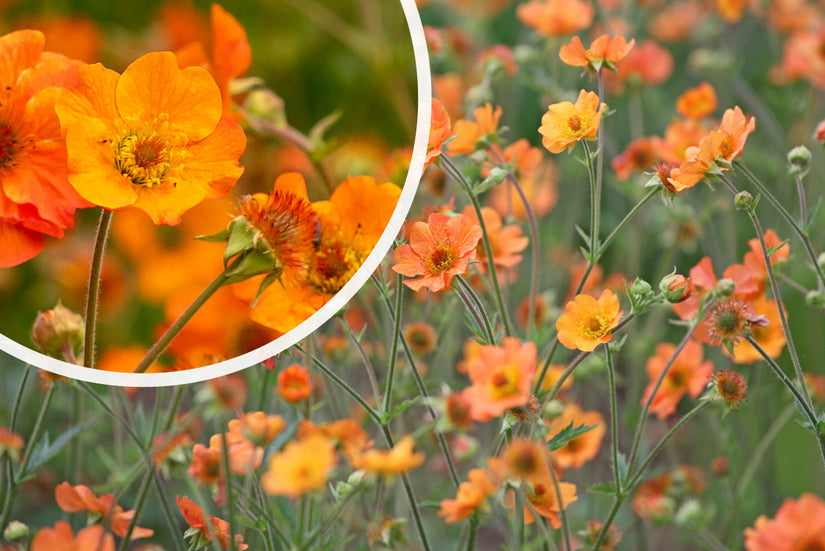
334,263
440,258
8,146
142,158
726,147
504,382
596,326
574,123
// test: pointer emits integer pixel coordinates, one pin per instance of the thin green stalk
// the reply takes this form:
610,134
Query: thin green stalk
8,474
323,527
640,427
144,489
473,303
803,235
419,524
94,287
599,156
594,212
471,538
230,494
451,169
365,358
614,418
803,206
756,456
565,526
158,348
267,515
393,358
534,243
264,390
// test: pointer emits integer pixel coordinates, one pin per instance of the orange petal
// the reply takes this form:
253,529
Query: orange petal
94,96
213,160
19,244
231,53
19,50
574,53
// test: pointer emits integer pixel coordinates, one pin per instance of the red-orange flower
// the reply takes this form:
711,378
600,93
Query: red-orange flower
439,132
438,250
152,138
62,538
36,198
506,241
194,517
80,498
603,52
468,133
587,321
294,383
799,524
698,102
501,377
471,495
565,124
10,443
581,449
556,17
688,374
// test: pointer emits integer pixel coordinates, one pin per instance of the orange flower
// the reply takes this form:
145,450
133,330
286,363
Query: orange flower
206,464
798,524
586,322
10,443
565,124
639,155
231,55
194,517
420,336
244,456
152,138
581,449
731,387
556,17
687,374
294,383
471,495
646,64
439,132
229,390
771,337
698,102
468,133
603,52
259,427
62,538
526,459
506,241
438,250
346,433
36,198
80,498
398,460
501,378
543,498
302,466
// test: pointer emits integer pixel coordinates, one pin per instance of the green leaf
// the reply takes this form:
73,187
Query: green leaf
387,417
241,237
567,434
215,237
497,175
251,264
45,450
582,234
316,134
602,488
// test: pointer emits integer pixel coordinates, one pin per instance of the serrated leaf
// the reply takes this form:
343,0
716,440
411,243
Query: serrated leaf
387,417
45,450
584,236
602,488
567,434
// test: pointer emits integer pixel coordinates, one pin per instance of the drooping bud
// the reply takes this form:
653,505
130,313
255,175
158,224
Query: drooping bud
59,333
16,530
799,158
743,200
641,287
675,288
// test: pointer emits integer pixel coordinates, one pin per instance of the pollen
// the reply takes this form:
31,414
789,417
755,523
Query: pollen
8,146
595,326
574,123
334,263
504,382
441,258
143,158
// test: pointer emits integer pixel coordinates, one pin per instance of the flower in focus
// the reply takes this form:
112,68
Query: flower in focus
556,17
62,538
152,138
727,321
294,383
605,51
501,378
438,250
687,374
36,198
799,524
303,466
581,449
565,124
398,460
439,132
471,495
194,517
698,102
587,321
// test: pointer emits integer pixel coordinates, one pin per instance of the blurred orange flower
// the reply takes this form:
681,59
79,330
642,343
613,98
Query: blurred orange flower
604,51
581,449
294,383
194,517
542,496
471,495
556,17
506,241
36,198
565,124
770,337
439,132
798,524
688,374
587,321
647,63
80,498
468,133
11,443
304,465
62,538
698,102
206,464
501,378
438,250
152,138
398,460
259,427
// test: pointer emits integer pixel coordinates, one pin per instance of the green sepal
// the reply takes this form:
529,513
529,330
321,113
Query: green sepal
215,237
268,280
241,237
251,264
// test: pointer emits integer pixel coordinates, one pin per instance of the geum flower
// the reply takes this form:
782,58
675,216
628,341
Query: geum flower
565,124
36,198
152,138
687,374
80,498
605,51
62,538
438,250
587,321
798,524
206,533
439,132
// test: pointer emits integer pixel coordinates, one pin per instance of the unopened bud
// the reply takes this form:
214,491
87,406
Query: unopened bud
16,530
815,299
799,157
743,200
691,515
719,466
553,409
641,288
59,333
726,286
267,105
675,288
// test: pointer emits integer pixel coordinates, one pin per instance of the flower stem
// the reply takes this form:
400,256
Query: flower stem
365,358
94,287
614,422
803,207
144,489
393,358
473,303
451,168
230,494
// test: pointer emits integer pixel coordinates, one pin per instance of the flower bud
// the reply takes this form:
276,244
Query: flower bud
267,105
691,515
16,530
815,299
553,409
675,288
719,466
743,200
641,288
59,333
726,286
799,158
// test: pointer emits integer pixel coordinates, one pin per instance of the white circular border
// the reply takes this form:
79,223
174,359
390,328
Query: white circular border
422,132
